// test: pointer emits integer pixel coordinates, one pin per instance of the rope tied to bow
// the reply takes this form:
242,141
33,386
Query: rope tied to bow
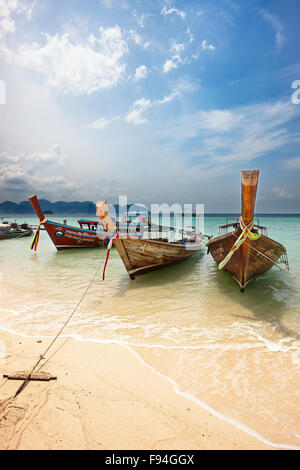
246,233
112,231
109,245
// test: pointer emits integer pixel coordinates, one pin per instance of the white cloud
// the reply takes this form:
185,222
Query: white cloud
30,172
230,137
190,35
206,46
217,120
281,193
293,163
141,106
168,98
169,65
52,156
136,37
76,68
140,72
102,123
8,8
276,25
135,114
177,47
141,18
169,11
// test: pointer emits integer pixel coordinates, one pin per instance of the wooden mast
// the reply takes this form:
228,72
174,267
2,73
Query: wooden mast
249,182
36,206
249,189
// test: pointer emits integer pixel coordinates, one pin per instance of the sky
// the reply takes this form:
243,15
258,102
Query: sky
161,101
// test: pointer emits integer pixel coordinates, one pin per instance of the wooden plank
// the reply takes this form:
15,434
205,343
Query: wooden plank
23,375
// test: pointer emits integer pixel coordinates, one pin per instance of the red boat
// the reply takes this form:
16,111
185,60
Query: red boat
89,233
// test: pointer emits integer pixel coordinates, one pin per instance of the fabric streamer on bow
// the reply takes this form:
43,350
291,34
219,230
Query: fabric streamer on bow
112,232
36,235
246,233
109,245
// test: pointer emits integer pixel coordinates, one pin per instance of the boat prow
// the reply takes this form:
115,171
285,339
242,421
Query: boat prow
64,236
141,255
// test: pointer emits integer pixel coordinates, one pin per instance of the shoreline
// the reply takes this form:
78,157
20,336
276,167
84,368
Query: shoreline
105,397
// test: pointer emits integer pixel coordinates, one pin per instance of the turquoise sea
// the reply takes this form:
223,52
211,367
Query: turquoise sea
236,354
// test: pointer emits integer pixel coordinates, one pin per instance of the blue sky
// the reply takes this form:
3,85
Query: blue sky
162,101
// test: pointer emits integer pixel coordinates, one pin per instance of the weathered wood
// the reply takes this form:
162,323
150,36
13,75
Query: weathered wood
122,252
23,375
141,256
249,182
247,262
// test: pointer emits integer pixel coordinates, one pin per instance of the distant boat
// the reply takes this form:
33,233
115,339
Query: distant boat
89,234
10,231
246,251
141,255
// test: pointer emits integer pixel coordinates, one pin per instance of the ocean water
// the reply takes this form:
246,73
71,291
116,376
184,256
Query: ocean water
236,354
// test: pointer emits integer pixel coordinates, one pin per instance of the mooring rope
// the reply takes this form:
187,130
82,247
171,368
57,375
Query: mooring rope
246,233
270,259
22,235
42,356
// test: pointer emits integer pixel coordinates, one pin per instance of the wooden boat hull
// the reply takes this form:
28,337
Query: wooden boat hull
141,256
8,236
65,237
252,259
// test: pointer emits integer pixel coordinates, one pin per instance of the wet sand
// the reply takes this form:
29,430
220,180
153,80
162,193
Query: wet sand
104,398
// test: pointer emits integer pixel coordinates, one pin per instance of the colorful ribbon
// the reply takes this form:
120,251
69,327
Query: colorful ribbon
36,235
246,233
109,245
112,232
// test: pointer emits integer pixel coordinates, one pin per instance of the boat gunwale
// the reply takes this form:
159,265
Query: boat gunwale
222,237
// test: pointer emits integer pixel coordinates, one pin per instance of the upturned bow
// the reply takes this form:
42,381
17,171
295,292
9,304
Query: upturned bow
246,233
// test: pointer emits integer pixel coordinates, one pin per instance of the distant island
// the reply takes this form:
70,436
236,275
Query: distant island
59,208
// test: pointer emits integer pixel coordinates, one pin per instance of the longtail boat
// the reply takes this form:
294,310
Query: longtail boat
141,255
10,231
246,251
89,233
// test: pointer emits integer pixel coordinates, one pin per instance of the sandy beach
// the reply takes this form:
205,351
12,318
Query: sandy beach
104,398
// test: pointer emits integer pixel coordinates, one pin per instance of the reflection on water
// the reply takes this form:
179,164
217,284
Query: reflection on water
239,353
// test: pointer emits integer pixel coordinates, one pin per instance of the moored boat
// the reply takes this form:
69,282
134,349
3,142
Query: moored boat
10,231
246,251
141,255
89,234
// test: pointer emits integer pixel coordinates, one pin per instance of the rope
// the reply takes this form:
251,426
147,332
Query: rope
42,356
246,233
270,259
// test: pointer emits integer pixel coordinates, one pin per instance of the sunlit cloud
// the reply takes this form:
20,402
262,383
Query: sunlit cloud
78,68
170,11
140,73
